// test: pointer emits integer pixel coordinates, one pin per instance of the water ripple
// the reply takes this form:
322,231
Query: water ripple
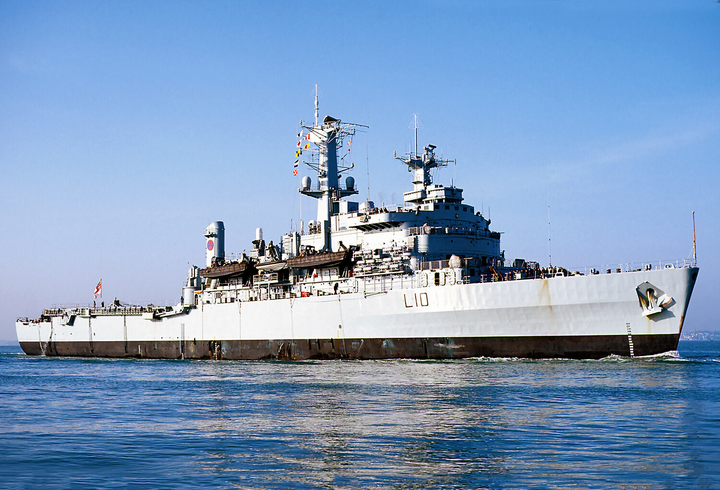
651,422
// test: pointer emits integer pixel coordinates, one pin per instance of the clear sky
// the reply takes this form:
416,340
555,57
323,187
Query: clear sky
127,127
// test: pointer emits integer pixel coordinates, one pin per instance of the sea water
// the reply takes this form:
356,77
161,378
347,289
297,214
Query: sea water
477,423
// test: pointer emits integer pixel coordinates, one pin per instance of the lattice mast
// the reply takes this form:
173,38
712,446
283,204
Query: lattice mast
328,140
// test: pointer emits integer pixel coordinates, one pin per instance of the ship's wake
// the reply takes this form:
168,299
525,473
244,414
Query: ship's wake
672,355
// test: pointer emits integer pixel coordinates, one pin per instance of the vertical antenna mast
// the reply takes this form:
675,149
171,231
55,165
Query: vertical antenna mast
316,105
694,247
415,125
549,240
367,163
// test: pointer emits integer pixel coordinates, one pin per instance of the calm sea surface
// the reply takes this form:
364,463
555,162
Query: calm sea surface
615,423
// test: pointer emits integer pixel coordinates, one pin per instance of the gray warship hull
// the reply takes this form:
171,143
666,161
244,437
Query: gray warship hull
425,280
584,317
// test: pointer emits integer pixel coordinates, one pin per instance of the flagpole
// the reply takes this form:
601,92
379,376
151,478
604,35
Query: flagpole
694,243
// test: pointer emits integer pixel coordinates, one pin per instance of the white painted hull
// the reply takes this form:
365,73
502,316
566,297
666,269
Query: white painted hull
575,316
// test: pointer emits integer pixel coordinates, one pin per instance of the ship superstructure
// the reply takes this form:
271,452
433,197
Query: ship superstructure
423,280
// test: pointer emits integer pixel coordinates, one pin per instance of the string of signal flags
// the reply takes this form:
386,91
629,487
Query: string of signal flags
301,147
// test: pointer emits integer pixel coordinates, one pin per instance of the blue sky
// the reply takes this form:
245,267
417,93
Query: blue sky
126,127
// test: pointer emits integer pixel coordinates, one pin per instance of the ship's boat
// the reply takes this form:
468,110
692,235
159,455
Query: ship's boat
273,266
320,260
226,270
425,279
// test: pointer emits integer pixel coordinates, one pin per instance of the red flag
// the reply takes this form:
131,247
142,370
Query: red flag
295,172
98,289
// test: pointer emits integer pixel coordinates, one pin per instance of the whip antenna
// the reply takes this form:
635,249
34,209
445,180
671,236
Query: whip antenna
367,163
549,236
415,125
317,109
694,245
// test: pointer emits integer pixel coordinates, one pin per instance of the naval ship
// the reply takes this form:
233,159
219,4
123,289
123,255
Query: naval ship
425,280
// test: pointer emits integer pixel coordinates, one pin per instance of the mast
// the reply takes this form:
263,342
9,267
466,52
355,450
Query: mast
420,166
549,239
694,245
317,107
416,125
327,137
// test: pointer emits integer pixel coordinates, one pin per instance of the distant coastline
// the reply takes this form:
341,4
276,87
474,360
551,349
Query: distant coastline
700,335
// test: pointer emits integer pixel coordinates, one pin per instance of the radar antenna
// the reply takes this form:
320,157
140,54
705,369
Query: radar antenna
327,137
420,166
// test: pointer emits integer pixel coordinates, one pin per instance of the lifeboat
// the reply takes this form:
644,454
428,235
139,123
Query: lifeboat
229,269
320,260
